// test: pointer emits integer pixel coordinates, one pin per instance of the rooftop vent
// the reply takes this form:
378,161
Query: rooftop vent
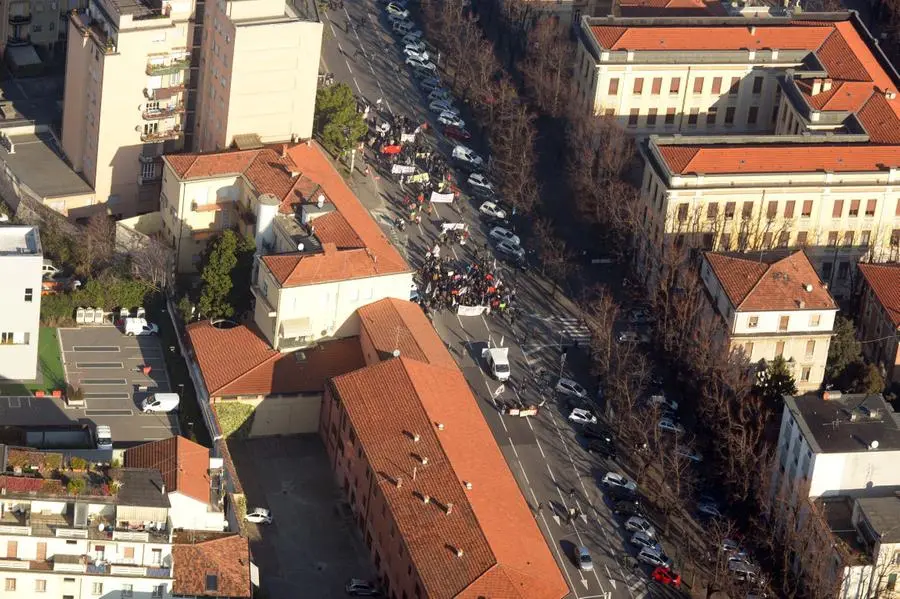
808,287
467,485
414,436
890,94
830,395
448,509
440,426
752,29
425,497
458,551
320,201
422,460
873,445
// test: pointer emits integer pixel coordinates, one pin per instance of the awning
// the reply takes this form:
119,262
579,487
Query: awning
296,327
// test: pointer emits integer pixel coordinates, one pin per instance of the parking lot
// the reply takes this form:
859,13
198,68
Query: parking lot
313,542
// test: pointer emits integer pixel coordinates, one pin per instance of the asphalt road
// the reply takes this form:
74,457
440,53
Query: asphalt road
544,452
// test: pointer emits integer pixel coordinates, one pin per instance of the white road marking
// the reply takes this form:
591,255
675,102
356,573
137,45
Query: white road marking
347,62
357,85
540,448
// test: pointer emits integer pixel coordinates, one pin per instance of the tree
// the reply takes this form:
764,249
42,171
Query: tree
151,263
338,120
94,250
862,377
548,64
844,349
219,263
775,381
242,274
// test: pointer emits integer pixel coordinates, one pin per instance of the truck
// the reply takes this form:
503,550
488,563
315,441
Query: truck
498,362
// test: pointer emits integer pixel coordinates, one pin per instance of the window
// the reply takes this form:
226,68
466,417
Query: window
609,112
810,348
40,586
7,338
127,590
698,85
639,85
717,85
712,210
128,553
29,294
891,582
768,236
806,212
651,116
711,115
97,588
784,239
752,115
735,86
729,210
747,210
682,212
779,349
10,584
656,87
748,348
613,87
757,85
675,87
670,116
826,270
774,113
772,209
870,207
854,208
801,238
726,241
804,374
814,320
783,322
832,238
633,117
148,171
843,271
692,117
837,209
729,115
789,209
864,238
156,556
158,591
848,238
895,237
752,322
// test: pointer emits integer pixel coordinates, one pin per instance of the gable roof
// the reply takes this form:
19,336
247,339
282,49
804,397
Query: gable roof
774,282
884,280
391,324
183,464
239,361
669,8
226,558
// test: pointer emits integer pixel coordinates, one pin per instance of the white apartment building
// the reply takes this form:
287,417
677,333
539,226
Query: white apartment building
126,70
259,70
21,262
773,305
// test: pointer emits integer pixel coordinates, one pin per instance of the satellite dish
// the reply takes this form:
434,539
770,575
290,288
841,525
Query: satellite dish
396,353
300,247
873,445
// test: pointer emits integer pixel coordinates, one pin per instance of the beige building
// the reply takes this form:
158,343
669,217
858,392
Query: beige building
126,69
259,68
878,324
773,305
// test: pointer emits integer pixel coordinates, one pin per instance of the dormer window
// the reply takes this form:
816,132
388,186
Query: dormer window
212,582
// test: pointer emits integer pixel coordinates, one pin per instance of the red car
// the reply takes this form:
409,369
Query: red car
457,133
666,576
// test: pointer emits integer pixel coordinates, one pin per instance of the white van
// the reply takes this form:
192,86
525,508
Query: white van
140,326
498,362
104,437
160,402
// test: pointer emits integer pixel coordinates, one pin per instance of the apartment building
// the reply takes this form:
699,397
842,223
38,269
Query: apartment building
773,305
259,69
21,262
211,565
28,23
127,64
433,496
878,325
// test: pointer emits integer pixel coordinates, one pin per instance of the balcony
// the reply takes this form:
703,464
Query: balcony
94,30
164,93
157,136
167,69
19,19
219,204
161,113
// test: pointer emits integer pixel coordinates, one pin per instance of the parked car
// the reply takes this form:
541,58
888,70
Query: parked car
569,387
492,209
584,560
441,93
357,587
139,326
396,8
501,234
442,106
604,449
614,479
48,269
642,540
657,559
638,524
450,119
457,133
103,437
418,55
628,337
429,84
660,399
160,402
259,515
597,431
479,181
669,425
421,65
400,16
582,416
690,454
667,577
510,251
413,35
627,509
465,155
708,510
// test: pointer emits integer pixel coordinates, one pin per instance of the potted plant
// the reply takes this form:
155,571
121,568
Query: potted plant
77,464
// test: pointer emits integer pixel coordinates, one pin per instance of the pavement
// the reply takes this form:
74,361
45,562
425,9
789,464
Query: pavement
544,453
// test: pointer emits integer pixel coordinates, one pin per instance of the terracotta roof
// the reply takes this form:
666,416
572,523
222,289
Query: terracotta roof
880,121
184,465
334,228
239,361
392,324
504,553
774,282
670,8
884,279
223,561
705,37
839,60
717,159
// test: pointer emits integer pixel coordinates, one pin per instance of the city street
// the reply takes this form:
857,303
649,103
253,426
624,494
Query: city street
554,470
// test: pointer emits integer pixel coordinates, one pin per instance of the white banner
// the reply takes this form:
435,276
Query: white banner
441,198
402,169
469,310
445,227
407,138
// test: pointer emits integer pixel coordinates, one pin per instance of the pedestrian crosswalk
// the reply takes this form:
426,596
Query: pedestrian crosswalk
573,329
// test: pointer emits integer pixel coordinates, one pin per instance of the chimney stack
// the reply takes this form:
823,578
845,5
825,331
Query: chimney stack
826,85
162,488
816,86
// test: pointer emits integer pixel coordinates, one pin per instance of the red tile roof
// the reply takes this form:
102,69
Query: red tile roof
701,37
772,283
884,280
391,324
226,558
504,553
22,484
670,8
184,465
778,158
239,361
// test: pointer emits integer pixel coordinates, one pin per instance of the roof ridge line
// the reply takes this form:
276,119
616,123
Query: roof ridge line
254,367
763,276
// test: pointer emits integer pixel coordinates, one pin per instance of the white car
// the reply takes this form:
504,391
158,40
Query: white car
413,36
708,509
669,425
481,182
493,210
140,326
259,515
614,479
654,558
584,560
638,524
509,250
442,106
451,120
501,234
414,47
417,54
398,17
420,64
395,9
644,541
582,416
468,155
571,388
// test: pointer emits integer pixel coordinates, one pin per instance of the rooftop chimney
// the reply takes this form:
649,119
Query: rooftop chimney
162,488
459,552
425,498
752,29
284,150
890,94
816,86
399,481
440,426
448,508
826,85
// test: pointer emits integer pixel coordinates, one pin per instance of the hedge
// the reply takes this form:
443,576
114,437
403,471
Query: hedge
106,292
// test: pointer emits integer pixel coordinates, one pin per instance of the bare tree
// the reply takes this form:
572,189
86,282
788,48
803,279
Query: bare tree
547,67
96,245
152,263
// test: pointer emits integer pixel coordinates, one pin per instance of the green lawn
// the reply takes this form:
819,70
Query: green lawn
51,375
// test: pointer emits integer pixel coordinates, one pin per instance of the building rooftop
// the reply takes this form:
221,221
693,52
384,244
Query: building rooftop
884,279
838,515
211,567
239,361
20,240
669,8
883,514
847,424
396,325
183,464
142,487
770,281
38,164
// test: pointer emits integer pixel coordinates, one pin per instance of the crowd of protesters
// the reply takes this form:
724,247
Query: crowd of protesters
446,284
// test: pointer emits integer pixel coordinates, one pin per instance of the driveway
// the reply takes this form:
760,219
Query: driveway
313,542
